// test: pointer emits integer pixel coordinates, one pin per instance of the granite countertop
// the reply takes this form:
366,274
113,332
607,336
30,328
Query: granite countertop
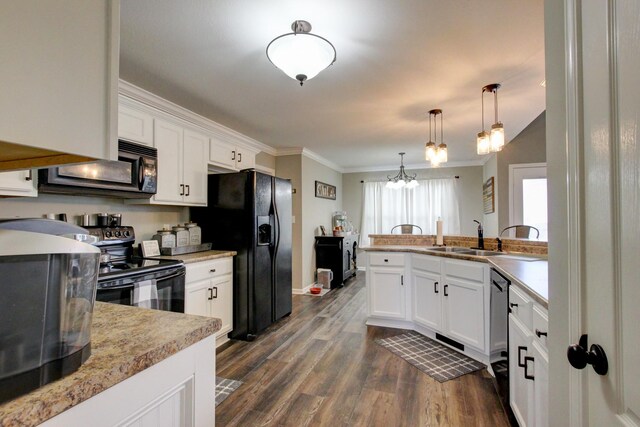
199,256
532,276
124,341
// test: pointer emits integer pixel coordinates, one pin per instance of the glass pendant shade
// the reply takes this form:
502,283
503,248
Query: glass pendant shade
430,151
301,55
442,153
483,143
497,137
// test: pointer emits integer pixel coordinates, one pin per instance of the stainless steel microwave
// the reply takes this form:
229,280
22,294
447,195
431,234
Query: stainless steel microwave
133,176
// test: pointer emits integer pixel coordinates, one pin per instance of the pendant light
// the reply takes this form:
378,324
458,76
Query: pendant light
300,54
430,147
438,153
494,141
401,179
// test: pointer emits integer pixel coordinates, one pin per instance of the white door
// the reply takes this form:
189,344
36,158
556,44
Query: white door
387,292
427,305
528,197
540,385
19,183
197,298
464,311
520,388
195,154
593,122
222,303
168,141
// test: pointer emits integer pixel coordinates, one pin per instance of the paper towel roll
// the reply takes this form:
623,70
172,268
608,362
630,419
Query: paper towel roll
439,237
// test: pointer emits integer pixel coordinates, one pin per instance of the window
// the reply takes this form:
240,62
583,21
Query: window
528,196
383,208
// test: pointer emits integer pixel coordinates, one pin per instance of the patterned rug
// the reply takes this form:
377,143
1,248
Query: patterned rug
224,388
434,359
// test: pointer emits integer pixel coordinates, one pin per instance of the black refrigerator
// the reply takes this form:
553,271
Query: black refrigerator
250,213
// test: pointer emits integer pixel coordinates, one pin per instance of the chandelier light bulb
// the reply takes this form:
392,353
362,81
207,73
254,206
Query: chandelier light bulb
430,151
497,137
483,143
442,153
301,55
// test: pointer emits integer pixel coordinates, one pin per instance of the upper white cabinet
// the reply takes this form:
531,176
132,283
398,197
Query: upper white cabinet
19,183
227,155
59,75
182,168
134,124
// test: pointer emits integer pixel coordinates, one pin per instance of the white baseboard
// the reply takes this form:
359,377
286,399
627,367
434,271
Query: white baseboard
362,268
301,291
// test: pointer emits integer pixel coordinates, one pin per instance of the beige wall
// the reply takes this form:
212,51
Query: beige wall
316,211
470,185
529,146
290,167
266,160
489,170
145,219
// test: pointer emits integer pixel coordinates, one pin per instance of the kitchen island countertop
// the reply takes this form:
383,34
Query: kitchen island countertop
531,276
125,341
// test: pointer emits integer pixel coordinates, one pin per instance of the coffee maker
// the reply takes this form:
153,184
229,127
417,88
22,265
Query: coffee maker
48,277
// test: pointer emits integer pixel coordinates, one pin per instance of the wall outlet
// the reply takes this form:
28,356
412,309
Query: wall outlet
293,219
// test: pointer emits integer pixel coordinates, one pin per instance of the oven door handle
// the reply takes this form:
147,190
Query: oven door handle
130,285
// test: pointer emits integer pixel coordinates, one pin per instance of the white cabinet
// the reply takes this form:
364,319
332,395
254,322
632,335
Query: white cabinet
209,292
134,124
182,169
176,392
19,183
386,292
528,360
449,298
230,156
464,311
59,71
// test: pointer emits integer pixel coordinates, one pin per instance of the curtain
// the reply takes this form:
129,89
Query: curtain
383,208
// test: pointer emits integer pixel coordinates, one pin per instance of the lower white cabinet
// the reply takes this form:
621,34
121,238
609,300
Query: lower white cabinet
528,360
387,298
19,183
433,295
209,292
176,392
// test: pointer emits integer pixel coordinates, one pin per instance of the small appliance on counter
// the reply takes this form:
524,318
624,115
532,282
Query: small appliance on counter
181,239
49,278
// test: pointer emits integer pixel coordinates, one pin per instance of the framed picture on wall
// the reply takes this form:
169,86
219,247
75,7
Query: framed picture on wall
488,197
325,191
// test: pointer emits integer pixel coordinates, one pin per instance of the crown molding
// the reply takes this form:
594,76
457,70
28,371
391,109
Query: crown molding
154,101
396,166
293,151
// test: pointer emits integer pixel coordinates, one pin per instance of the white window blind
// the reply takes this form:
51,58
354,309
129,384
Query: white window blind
383,208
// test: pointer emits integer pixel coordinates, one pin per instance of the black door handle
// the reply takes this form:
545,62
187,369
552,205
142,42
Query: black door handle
513,304
182,189
446,288
526,373
435,287
520,349
233,155
579,357
210,293
30,176
539,333
188,190
402,279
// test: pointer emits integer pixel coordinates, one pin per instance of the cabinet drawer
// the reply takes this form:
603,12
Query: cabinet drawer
208,269
426,263
386,259
465,270
540,325
521,306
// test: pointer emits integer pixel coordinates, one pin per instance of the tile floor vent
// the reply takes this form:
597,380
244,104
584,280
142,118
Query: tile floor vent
452,343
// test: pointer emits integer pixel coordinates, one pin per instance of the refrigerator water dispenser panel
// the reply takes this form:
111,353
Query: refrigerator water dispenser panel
264,230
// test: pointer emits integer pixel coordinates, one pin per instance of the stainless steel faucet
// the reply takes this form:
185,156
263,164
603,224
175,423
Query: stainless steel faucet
480,236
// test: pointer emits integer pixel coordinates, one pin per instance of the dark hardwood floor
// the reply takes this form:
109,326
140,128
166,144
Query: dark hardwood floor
321,367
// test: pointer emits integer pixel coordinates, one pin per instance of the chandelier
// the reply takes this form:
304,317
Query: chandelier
494,141
401,179
300,54
436,154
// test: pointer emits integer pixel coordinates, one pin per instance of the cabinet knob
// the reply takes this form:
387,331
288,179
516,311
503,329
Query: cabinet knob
539,333
513,304
386,260
213,270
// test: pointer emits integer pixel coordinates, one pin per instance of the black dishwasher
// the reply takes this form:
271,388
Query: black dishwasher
499,334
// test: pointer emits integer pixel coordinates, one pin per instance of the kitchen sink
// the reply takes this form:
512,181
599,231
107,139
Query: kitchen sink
448,249
465,251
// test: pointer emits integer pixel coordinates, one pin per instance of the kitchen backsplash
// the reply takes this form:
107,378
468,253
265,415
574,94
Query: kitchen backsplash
145,219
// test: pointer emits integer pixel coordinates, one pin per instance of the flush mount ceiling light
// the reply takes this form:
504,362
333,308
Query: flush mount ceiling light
436,154
301,55
494,141
401,179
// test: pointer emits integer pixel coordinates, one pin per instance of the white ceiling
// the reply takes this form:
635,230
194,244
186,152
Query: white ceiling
396,60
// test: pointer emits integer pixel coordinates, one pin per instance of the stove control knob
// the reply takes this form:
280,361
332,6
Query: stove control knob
107,234
127,233
117,233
